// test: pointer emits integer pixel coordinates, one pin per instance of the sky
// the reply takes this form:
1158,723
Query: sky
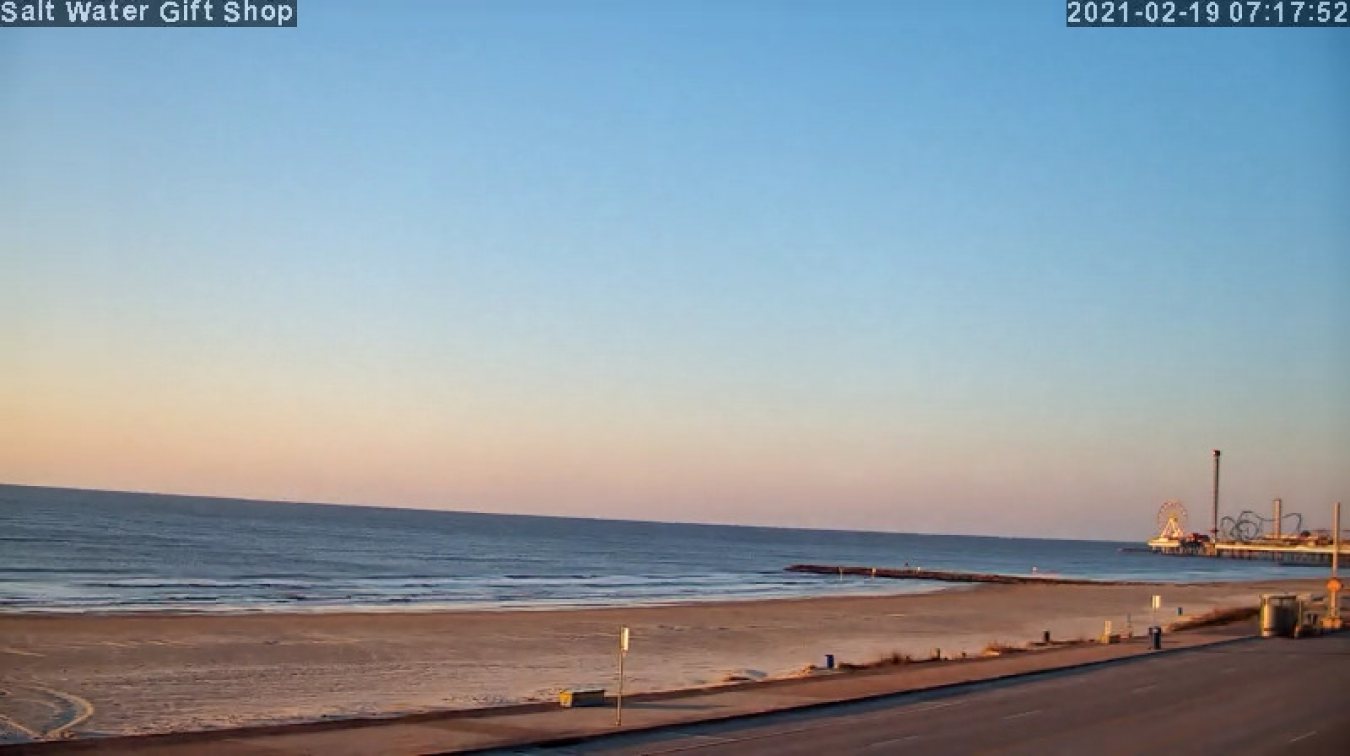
928,266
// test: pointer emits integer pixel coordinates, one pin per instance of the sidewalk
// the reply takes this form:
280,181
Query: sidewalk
542,723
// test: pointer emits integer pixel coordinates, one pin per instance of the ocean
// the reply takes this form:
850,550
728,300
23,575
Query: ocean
64,550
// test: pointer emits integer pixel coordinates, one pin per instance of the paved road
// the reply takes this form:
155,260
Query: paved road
1251,697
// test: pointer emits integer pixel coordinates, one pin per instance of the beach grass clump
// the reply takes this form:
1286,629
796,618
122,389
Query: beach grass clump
893,659
1215,617
743,676
999,648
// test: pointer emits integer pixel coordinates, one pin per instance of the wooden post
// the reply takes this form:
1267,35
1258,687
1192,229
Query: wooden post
623,652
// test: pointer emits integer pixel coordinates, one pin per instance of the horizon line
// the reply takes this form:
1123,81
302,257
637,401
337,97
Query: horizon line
409,508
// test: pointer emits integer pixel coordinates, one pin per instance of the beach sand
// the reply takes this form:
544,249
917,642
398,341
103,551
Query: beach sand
100,675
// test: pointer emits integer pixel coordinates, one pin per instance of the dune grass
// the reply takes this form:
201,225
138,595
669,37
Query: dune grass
1215,617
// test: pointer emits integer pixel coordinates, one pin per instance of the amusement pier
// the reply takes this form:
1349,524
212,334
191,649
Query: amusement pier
1280,537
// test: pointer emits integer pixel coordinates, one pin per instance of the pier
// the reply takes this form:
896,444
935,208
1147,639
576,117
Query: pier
1281,552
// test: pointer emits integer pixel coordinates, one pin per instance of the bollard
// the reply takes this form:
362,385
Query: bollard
829,661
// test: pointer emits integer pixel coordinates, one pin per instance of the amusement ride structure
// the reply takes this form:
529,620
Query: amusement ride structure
1249,535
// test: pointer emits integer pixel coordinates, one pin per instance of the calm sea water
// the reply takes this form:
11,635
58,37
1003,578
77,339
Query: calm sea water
67,550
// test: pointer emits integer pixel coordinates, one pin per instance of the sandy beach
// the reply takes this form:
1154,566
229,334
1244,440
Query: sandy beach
102,675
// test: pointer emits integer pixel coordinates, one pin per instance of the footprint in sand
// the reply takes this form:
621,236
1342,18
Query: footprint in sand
32,712
744,675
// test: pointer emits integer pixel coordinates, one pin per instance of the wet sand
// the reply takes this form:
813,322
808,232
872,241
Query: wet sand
100,675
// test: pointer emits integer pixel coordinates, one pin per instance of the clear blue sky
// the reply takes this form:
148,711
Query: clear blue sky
934,266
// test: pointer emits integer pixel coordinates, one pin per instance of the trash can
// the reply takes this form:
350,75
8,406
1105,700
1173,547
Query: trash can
1155,638
1279,614
829,661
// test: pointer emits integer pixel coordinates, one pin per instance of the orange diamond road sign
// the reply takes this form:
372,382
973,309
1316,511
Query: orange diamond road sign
1334,585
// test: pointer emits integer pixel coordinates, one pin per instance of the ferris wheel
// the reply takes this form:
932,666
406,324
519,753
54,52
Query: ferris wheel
1172,520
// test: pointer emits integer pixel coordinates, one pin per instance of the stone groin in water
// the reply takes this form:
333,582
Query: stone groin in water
918,573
